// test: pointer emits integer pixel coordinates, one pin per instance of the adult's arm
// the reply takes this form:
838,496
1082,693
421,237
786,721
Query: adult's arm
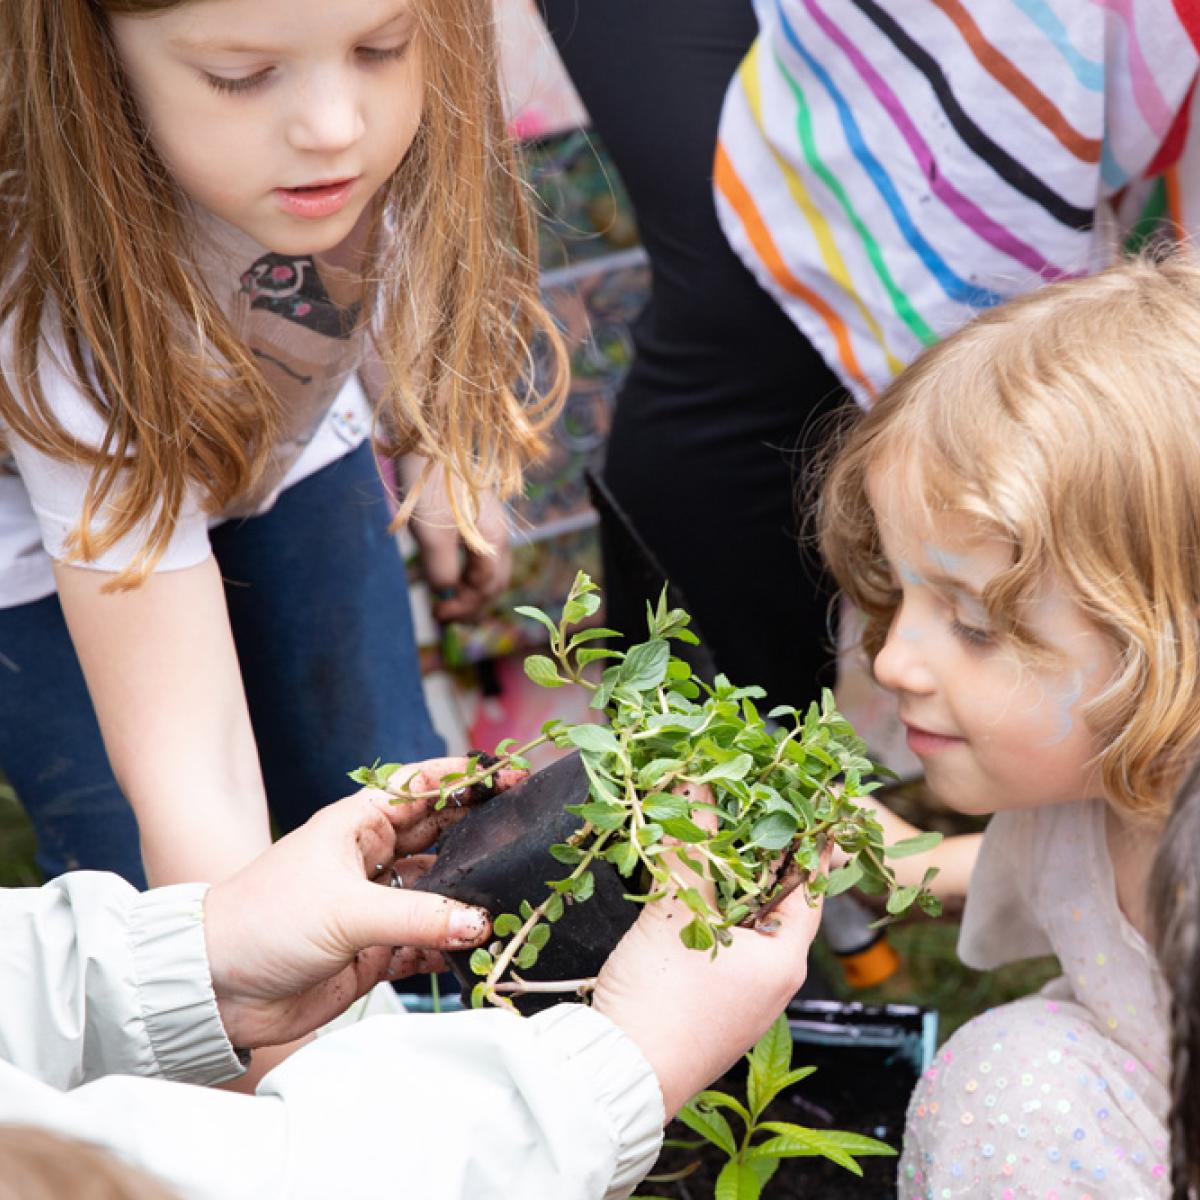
103,984
163,674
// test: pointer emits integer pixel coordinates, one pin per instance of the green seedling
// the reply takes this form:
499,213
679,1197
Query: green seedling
783,785
754,1157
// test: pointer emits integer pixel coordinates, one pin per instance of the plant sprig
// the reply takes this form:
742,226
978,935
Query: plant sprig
750,1163
784,785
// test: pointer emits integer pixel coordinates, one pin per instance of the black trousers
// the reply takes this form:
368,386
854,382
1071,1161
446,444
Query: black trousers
726,402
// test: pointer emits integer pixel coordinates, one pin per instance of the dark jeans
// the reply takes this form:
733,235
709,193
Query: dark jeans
318,604
724,406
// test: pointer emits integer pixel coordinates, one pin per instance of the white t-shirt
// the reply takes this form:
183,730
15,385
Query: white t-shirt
300,318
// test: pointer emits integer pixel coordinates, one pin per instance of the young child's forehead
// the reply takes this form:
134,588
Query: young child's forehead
929,532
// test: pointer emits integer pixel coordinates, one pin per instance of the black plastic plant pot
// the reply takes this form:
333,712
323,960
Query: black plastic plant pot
499,855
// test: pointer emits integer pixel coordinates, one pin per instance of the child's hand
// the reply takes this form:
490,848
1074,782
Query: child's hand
463,582
690,1013
310,925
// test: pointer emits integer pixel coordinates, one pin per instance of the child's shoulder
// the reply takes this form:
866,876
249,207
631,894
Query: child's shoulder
1033,1098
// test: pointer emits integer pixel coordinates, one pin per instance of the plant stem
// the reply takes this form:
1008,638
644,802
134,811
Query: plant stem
478,777
522,986
504,958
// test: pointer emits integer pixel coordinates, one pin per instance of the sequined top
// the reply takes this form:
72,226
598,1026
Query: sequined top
1062,1094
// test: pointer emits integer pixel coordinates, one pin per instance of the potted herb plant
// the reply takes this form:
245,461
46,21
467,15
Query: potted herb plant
600,829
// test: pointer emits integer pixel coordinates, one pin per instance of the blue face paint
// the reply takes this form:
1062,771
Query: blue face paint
947,563
1063,704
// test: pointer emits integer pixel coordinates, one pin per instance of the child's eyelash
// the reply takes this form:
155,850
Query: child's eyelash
232,87
391,53
970,634
250,82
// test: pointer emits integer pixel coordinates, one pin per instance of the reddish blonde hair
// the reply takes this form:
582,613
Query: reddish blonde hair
91,225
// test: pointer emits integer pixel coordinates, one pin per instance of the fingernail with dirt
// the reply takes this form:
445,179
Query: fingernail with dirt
468,925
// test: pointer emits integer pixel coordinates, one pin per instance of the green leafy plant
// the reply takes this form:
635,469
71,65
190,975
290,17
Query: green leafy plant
755,1155
783,785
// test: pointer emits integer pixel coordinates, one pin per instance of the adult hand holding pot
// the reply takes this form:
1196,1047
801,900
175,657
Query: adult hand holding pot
311,924
692,1015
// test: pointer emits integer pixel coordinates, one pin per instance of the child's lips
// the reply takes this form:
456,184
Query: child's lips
923,742
321,198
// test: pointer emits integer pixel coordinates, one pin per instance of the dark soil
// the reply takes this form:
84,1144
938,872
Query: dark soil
862,1090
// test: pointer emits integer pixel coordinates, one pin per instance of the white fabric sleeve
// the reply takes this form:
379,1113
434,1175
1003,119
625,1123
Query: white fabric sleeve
465,1106
1000,922
99,979
57,489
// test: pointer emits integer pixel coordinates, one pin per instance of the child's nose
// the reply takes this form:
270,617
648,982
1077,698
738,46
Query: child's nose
327,117
902,663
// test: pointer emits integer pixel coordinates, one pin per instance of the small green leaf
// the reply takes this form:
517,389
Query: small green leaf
714,1099
480,961
709,1125
774,831
506,924
597,738
900,900
361,775
584,886
645,666
570,855
525,909
663,806
536,614
737,1181
503,747
554,908
696,935
603,816
624,857
770,1058
920,844
538,936
737,767
594,654
844,878
526,956
543,672
478,995
684,830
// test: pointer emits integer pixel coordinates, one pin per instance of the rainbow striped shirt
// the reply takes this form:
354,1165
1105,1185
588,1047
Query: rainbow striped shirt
888,167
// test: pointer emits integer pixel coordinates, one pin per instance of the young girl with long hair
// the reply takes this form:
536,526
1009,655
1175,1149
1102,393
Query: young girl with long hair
243,243
1018,518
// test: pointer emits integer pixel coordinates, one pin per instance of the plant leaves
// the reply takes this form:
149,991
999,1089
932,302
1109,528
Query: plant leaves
645,666
737,1182
554,908
603,816
714,1099
538,936
901,899
770,1059
597,738
696,935
624,857
583,887
536,614
709,1125
774,831
480,961
506,924
844,878
920,844
526,956
543,671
